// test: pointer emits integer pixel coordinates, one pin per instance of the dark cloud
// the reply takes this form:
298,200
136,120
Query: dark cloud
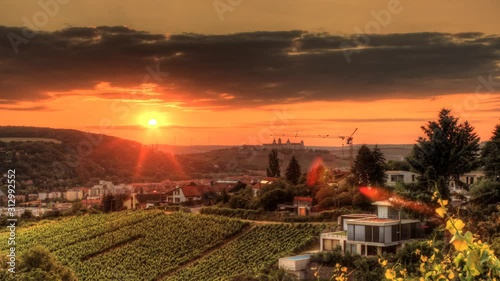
244,69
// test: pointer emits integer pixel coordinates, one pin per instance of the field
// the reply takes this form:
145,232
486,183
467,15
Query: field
152,245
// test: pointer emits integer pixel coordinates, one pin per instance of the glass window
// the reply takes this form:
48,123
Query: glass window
397,178
375,234
351,248
359,233
381,234
350,232
369,233
395,233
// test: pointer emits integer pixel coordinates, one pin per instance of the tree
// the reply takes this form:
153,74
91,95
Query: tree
273,169
111,203
28,214
485,192
269,201
293,171
238,201
326,192
369,167
316,178
490,155
395,165
38,264
449,150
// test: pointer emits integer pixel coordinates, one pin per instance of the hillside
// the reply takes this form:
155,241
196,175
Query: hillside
152,245
254,159
75,158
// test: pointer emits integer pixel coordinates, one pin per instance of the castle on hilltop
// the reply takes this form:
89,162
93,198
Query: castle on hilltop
286,145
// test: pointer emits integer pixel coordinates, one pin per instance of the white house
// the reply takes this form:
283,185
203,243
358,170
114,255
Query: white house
99,190
189,193
50,195
393,177
74,194
467,180
43,195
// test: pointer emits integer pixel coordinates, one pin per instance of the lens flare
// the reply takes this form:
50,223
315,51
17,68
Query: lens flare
380,194
316,173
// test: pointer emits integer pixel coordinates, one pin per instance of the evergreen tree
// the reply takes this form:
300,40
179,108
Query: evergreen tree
395,165
485,192
378,167
449,150
273,169
369,167
293,171
111,203
490,155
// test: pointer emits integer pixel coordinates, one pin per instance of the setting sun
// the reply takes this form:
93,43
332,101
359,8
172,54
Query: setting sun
152,122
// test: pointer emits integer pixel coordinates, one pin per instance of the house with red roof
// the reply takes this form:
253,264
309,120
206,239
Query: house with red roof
191,193
302,205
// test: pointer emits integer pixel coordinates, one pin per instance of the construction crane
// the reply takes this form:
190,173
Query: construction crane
348,139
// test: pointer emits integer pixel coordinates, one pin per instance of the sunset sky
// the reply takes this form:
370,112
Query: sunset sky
235,71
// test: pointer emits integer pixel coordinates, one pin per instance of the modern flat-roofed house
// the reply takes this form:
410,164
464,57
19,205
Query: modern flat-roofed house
371,235
227,186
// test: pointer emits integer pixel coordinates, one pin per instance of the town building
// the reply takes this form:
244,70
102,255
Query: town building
144,201
287,145
302,205
194,194
465,182
75,193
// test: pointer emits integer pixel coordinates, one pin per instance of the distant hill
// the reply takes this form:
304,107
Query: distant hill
187,149
77,158
255,158
390,151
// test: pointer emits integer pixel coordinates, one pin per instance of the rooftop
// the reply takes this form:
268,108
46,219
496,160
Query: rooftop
376,220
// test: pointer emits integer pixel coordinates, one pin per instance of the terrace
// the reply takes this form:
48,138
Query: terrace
340,235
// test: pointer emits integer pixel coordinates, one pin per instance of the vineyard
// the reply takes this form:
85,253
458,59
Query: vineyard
151,245
251,253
